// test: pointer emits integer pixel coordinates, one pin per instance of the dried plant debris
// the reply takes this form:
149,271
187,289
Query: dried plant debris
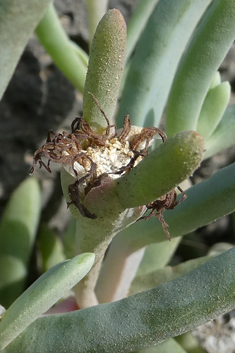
166,202
89,157
218,336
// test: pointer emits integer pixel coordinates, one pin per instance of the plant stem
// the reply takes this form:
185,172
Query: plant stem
118,271
117,203
96,235
121,264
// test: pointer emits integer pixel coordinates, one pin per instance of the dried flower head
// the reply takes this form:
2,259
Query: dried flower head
89,157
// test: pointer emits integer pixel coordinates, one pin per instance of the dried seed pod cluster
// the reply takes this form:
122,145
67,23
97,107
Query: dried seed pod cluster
89,157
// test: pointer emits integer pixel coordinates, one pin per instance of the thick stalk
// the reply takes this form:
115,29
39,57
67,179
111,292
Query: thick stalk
96,235
121,264
118,271
118,203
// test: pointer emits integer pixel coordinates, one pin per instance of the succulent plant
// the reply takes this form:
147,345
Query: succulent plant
120,176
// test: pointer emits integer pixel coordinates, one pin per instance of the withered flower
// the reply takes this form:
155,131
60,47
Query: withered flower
89,157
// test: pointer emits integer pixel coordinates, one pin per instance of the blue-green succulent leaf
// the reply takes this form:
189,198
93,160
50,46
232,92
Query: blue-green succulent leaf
141,320
42,294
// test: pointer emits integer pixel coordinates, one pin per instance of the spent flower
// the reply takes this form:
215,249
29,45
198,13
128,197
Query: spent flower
90,157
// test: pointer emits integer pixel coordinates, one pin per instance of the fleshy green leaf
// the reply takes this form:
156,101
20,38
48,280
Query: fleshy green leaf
223,136
105,69
137,23
169,346
141,320
162,170
166,274
157,256
206,202
121,265
17,22
51,248
206,51
156,59
96,10
41,295
69,239
189,343
216,81
213,109
17,234
56,42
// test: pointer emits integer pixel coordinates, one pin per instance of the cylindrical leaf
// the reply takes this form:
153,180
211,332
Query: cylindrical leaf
206,202
96,10
162,170
156,59
223,136
137,23
209,46
41,295
17,233
166,347
56,42
141,320
51,248
213,109
17,22
105,68
157,255
162,275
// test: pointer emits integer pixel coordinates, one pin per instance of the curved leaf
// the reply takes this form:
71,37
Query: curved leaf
50,247
206,51
15,31
213,109
206,202
119,267
157,255
41,295
156,58
17,234
223,136
56,42
166,347
156,277
141,320
137,23
162,170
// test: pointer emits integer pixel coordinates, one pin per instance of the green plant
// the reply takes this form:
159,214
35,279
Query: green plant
177,67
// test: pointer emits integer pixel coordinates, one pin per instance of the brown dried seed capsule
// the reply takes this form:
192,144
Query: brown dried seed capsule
89,157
